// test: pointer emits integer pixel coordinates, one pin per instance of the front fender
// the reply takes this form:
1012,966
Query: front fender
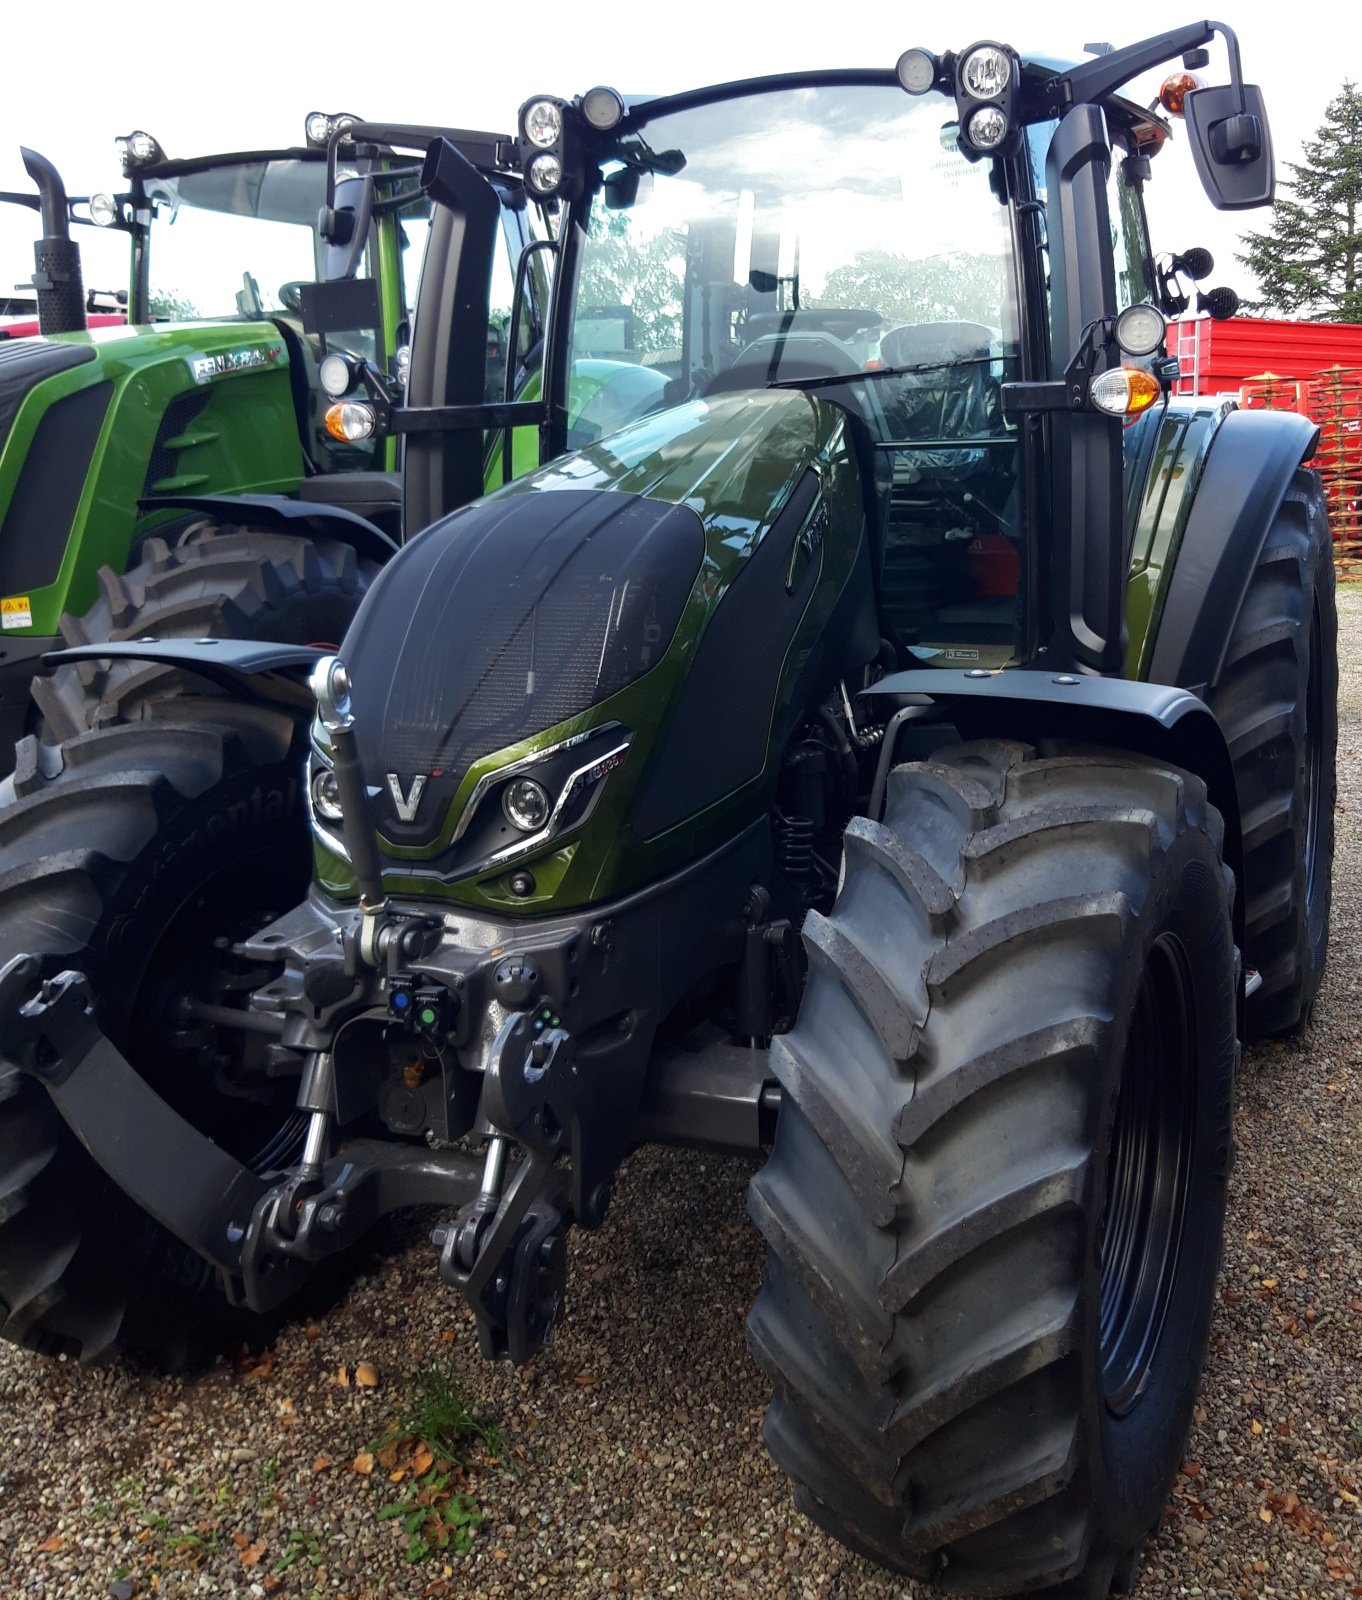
1157,720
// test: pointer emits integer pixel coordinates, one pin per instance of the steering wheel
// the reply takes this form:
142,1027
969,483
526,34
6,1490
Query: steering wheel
291,296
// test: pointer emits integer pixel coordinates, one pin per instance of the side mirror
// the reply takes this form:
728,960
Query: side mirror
1232,145
344,228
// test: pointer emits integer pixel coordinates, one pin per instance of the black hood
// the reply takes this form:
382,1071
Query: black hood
503,620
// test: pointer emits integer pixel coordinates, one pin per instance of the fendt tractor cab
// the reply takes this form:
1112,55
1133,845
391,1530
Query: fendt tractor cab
906,745
177,476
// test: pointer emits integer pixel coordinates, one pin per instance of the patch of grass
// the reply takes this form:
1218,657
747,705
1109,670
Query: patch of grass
427,1450
441,1417
300,1547
269,1469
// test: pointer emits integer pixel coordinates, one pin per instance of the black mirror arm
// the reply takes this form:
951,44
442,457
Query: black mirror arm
1094,80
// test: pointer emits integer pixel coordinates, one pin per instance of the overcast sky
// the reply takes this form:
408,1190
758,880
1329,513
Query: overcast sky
223,78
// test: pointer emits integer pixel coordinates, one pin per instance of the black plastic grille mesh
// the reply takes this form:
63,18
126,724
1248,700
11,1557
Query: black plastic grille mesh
165,462
507,619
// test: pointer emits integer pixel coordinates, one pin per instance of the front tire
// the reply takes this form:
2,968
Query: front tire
995,1205
138,861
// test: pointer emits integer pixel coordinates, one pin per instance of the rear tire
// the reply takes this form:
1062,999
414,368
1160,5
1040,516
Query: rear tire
219,581
149,841
995,1205
1277,703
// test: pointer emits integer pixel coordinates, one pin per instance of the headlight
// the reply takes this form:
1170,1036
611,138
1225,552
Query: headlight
317,127
323,804
987,128
1139,329
103,210
543,123
1124,391
141,146
526,804
325,793
546,172
986,72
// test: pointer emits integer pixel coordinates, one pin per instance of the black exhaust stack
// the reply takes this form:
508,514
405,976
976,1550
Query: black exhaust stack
61,294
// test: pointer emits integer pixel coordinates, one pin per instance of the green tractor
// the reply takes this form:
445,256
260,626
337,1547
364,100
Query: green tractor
908,748
177,476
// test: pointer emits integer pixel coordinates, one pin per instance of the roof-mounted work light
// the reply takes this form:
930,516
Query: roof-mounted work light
987,92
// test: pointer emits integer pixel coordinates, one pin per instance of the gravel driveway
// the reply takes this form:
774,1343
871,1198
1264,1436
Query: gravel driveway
632,1460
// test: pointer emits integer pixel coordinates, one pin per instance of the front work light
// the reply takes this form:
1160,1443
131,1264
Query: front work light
987,100
987,128
350,421
1140,329
338,374
103,210
986,72
543,123
917,71
603,108
137,149
320,126
1124,391
545,173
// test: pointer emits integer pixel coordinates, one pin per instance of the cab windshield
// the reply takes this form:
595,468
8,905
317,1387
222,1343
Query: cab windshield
815,232
234,239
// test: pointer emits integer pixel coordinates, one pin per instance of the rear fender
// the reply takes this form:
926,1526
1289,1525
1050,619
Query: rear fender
280,514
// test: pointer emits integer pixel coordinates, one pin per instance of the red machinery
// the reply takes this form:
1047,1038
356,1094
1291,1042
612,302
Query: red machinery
1314,368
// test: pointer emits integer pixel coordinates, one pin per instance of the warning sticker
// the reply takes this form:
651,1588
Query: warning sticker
16,612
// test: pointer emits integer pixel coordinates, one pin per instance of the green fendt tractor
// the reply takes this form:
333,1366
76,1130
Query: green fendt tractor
177,476
908,746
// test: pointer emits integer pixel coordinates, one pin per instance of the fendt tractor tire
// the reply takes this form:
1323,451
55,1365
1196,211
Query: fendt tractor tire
995,1206
152,841
219,581
1276,700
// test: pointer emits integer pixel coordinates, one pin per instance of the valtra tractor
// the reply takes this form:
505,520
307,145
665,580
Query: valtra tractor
176,476
875,752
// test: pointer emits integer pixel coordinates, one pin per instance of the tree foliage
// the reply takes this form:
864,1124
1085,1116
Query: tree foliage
170,305
1309,262
955,287
619,269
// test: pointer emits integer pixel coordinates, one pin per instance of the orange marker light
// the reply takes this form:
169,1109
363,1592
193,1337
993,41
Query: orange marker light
350,421
1173,94
1124,391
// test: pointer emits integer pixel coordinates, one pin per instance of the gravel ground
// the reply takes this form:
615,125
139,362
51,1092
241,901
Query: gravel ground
633,1461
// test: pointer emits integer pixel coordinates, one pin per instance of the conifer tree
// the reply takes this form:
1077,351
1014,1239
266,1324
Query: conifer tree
1309,262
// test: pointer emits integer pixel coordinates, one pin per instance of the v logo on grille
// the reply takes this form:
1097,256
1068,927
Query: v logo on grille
406,804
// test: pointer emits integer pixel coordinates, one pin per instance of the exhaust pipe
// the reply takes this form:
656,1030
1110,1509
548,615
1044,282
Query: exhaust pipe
61,294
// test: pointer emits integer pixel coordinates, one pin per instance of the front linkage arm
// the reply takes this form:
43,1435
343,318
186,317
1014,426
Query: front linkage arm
513,1276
